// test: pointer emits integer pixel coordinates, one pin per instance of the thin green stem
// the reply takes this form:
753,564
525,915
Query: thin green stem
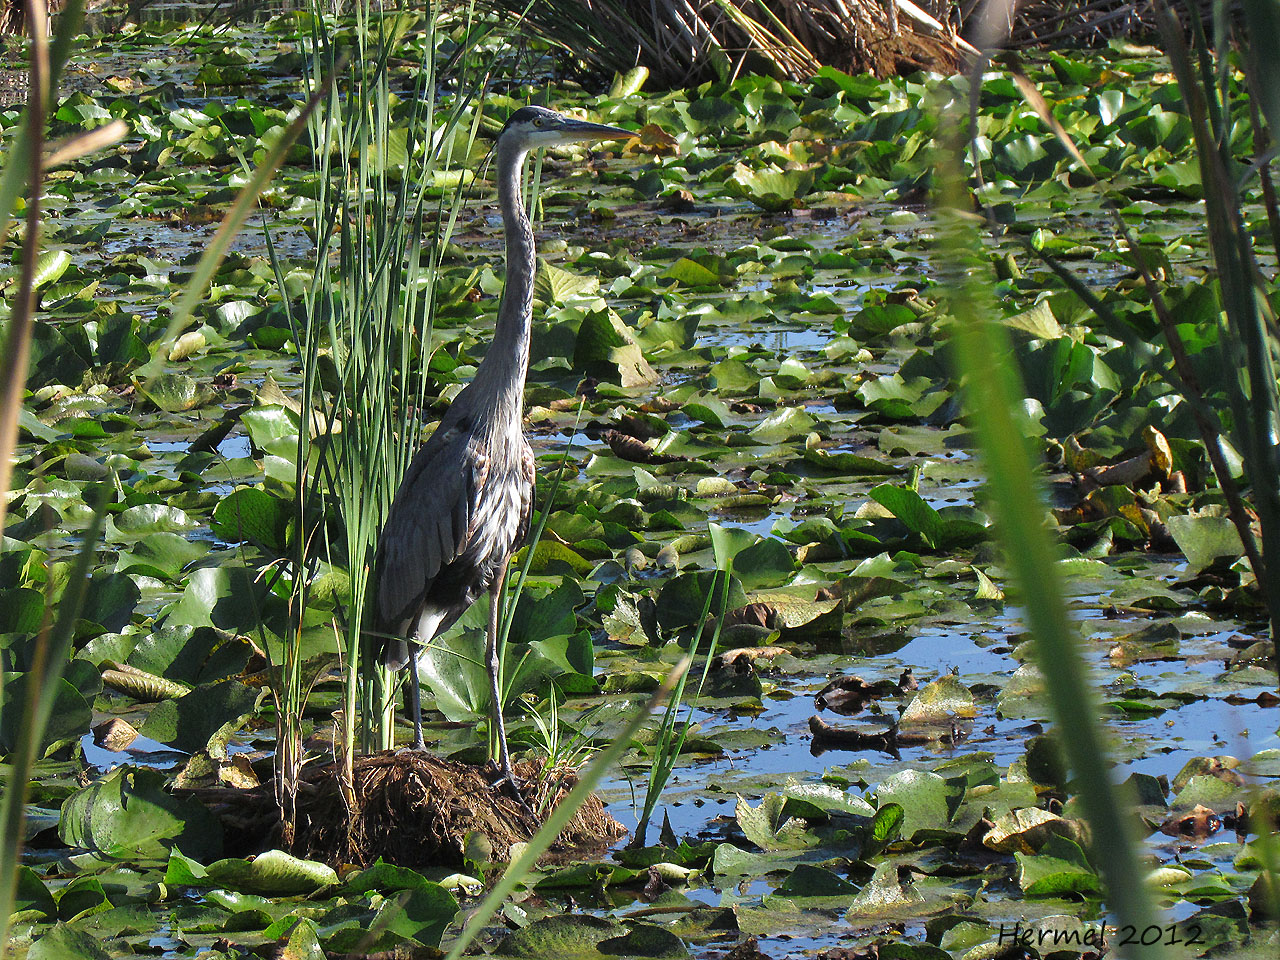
562,814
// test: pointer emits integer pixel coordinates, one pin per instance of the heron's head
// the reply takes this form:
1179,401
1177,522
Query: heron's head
532,127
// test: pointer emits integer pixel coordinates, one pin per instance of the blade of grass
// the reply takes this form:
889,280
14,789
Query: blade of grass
12,170
1255,404
1182,374
993,397
13,364
666,748
83,144
562,814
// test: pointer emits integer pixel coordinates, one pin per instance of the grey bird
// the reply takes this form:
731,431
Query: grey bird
464,504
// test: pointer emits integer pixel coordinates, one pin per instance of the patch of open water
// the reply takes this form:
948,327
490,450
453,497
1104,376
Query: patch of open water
784,340
1166,740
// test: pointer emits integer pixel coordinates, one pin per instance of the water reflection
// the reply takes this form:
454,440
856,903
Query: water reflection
104,16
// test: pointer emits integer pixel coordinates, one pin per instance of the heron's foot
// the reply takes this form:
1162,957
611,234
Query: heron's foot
418,746
513,786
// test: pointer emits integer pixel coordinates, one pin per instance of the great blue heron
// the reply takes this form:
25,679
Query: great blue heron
465,501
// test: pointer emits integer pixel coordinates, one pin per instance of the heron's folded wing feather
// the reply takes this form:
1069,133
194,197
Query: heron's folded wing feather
530,468
427,525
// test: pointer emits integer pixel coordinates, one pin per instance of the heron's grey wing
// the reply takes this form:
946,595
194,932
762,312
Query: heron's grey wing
429,522
530,468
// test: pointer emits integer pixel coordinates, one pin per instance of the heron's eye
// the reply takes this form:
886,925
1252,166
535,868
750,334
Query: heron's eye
537,121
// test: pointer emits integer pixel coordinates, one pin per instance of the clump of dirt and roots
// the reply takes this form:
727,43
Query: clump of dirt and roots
406,808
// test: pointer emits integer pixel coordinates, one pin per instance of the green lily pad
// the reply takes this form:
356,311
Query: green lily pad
927,800
62,942
682,598
818,801
935,529
190,655
770,188
162,555
941,701
69,717
645,940
32,900
850,464
229,598
567,936
146,519
421,914
1207,791
127,815
606,349
1060,868
1204,539
884,895
770,828
250,513
203,719
82,897
787,423
274,873
691,274
175,392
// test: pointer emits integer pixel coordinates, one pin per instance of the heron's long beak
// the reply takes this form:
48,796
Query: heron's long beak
580,131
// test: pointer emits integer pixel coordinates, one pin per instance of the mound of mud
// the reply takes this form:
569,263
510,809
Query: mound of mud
407,808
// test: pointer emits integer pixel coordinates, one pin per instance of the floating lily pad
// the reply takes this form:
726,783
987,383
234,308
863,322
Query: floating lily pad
175,392
127,815
569,936
203,719
605,348
770,188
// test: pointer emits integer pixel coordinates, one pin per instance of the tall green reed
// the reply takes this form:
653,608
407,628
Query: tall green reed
1248,325
1240,405
1247,320
672,731
386,174
24,164
993,396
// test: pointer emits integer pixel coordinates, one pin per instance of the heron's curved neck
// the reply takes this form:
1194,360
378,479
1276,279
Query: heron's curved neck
502,372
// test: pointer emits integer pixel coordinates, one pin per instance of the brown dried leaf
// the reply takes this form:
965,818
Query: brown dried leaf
659,404
1028,829
677,201
639,427
1161,455
629,448
753,614
238,773
846,695
652,140
114,734
1200,823
746,654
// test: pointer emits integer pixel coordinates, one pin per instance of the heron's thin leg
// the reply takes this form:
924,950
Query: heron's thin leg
494,665
415,701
